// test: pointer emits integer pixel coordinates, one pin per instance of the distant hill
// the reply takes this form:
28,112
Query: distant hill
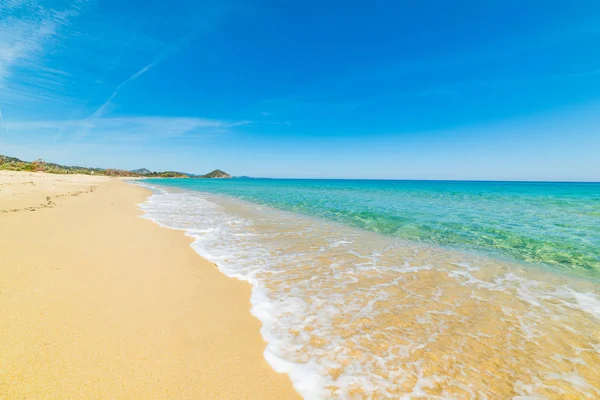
167,174
7,159
14,164
145,172
142,171
217,173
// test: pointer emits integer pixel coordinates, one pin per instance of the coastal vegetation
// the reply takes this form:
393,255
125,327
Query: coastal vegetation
217,173
14,164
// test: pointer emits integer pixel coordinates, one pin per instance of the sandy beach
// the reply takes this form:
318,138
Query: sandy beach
96,302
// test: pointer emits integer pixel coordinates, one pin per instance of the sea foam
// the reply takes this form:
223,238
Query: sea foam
349,314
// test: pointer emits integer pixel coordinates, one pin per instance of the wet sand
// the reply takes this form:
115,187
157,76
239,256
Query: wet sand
363,315
99,303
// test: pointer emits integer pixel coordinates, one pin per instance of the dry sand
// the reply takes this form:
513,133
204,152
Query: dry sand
96,302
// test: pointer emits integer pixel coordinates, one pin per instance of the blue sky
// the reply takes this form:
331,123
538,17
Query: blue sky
381,89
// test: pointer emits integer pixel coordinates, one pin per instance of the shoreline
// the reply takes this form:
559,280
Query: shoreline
101,303
338,296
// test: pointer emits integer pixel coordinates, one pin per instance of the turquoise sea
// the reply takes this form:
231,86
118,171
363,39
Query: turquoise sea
557,224
408,289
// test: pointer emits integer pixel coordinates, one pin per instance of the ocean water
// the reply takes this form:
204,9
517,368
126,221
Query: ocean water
406,289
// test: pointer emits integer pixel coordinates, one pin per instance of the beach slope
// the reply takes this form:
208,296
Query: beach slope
99,303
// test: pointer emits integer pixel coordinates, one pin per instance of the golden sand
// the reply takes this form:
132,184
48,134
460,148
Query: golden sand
379,318
96,302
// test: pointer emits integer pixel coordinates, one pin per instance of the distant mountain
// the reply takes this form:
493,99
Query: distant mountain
8,160
217,173
141,171
39,165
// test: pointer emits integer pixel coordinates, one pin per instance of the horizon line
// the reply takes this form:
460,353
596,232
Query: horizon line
412,180
358,179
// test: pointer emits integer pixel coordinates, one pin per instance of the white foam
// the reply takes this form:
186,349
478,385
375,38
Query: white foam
588,302
273,251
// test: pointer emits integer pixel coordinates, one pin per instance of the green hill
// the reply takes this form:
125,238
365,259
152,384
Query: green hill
14,164
217,173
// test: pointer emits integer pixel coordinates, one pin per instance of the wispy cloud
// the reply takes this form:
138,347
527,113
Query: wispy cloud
167,52
2,125
127,128
66,61
101,110
27,31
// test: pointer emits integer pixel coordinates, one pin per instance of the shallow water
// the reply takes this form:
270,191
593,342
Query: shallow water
350,312
552,223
